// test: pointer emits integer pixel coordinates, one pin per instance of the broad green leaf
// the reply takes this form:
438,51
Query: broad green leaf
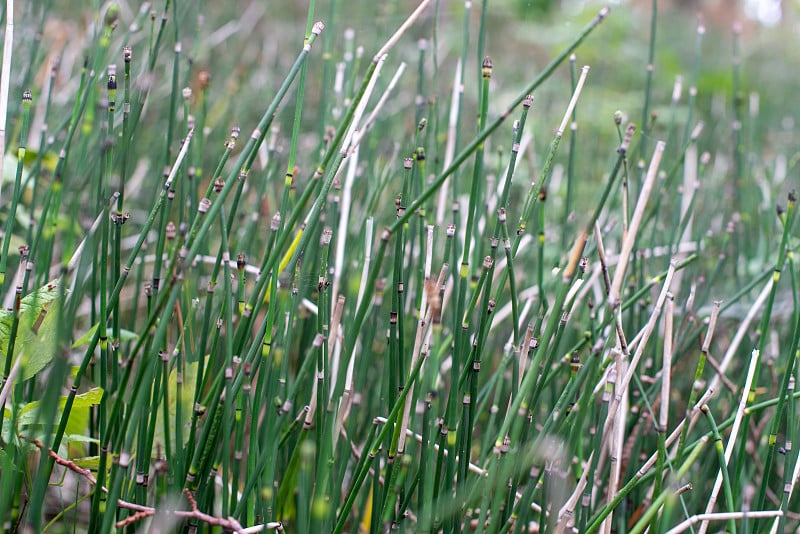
82,400
36,335
89,462
78,416
124,335
49,161
93,462
78,438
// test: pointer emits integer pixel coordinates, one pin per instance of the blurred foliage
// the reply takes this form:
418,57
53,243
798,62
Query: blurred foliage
244,46
522,36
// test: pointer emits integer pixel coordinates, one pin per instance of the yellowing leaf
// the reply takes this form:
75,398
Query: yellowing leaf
124,335
78,438
89,462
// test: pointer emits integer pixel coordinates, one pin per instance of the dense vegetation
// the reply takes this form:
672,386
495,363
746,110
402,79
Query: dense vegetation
410,268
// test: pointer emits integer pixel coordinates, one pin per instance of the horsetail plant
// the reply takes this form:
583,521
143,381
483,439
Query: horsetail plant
337,326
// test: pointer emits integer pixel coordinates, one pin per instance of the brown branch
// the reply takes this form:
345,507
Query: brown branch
143,512
131,519
86,473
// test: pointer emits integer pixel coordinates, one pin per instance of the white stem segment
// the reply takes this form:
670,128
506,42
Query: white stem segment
724,516
423,327
636,220
741,332
402,29
615,423
737,422
573,101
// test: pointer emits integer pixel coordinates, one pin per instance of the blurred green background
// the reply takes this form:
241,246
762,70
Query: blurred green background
247,46
241,43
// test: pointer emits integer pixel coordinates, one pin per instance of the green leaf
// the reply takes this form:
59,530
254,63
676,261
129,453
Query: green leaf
93,462
36,335
88,462
78,438
124,335
78,416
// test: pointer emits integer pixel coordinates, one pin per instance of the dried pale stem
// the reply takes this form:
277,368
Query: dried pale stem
666,365
732,438
181,155
615,415
701,364
601,254
334,346
422,329
616,418
9,382
426,312
712,326
792,486
722,516
344,218
402,29
693,416
352,167
741,332
573,101
567,513
676,432
370,120
636,220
